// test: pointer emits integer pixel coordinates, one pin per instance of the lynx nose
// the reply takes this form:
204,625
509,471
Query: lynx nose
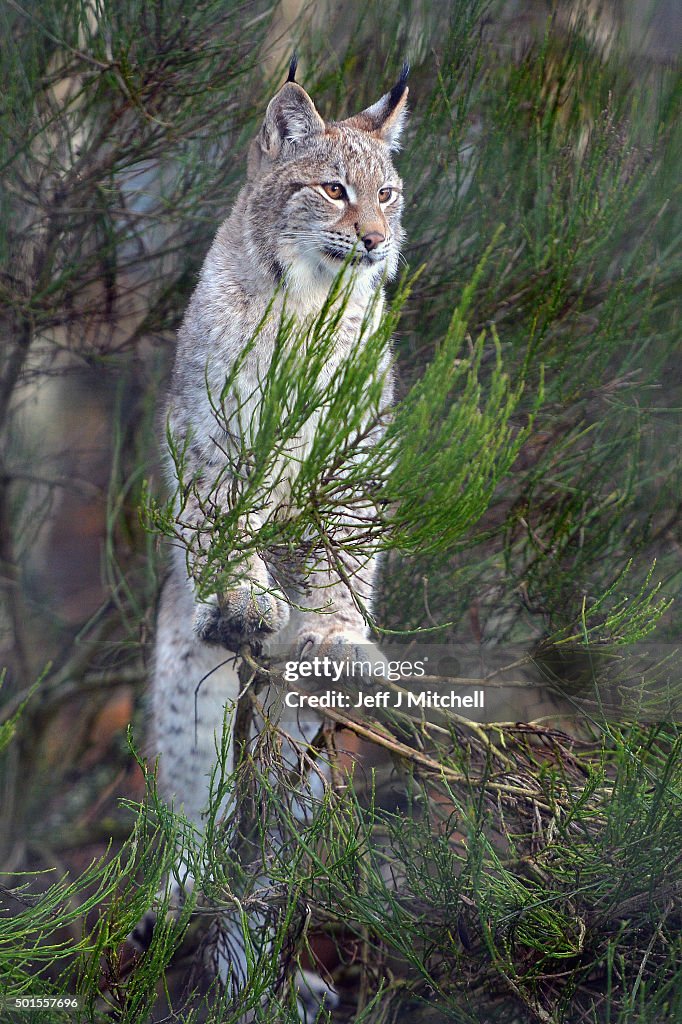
372,239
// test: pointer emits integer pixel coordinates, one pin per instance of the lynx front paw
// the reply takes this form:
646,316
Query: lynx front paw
242,616
356,655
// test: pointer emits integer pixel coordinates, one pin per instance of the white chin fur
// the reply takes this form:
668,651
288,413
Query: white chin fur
309,277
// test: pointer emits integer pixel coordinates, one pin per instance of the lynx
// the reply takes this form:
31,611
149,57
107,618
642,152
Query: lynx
319,196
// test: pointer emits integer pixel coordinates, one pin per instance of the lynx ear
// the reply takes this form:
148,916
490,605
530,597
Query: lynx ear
291,117
386,118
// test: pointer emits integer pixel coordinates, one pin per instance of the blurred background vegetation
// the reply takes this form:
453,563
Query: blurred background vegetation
552,129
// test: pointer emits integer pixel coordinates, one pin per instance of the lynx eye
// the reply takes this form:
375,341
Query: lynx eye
385,194
334,190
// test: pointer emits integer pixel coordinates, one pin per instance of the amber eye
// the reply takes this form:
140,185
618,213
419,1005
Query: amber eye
385,194
334,190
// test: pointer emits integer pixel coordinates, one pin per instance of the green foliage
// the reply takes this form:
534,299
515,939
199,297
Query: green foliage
527,490
58,933
417,488
579,911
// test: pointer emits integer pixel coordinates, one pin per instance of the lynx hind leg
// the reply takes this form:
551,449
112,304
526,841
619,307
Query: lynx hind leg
192,686
303,792
313,993
173,898
228,959
193,682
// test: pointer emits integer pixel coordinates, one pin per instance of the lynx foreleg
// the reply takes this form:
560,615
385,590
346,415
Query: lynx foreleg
251,607
332,617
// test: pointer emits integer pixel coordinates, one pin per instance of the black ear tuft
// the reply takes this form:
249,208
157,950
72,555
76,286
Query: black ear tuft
399,88
385,119
293,64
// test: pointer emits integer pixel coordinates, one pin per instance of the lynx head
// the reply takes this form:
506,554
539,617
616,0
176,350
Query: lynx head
322,192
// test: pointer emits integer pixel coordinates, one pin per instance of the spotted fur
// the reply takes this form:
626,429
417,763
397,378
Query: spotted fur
287,237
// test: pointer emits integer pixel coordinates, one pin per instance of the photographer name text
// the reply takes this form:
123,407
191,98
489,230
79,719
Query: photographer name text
397,699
